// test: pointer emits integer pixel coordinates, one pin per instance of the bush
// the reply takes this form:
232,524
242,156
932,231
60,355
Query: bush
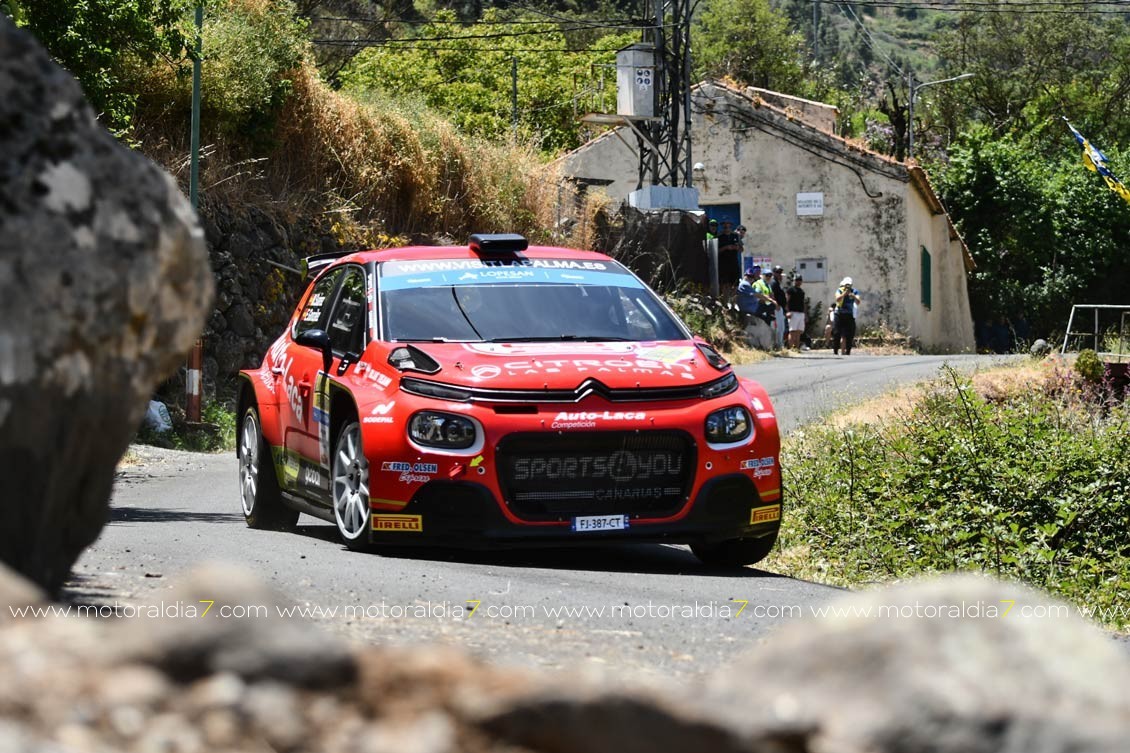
715,320
1089,367
216,432
250,50
1034,486
249,47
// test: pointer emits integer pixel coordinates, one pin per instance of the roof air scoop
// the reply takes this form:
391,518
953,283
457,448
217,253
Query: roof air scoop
498,243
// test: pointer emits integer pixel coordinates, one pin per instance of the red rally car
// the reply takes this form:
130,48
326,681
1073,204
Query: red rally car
498,394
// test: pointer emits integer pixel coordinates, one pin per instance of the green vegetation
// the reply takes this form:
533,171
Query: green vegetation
216,432
469,77
1089,367
1024,476
716,321
105,42
750,42
1045,232
395,118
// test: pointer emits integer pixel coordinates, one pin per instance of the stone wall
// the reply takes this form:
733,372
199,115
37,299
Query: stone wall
250,250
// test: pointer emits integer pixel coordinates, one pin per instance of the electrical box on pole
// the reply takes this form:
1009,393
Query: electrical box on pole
636,81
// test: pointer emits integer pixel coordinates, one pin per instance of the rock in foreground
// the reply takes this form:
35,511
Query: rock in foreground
849,685
104,286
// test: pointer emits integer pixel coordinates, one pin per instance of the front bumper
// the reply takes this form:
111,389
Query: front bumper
466,514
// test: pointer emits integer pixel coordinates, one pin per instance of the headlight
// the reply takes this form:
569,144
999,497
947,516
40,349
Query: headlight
728,425
444,430
718,387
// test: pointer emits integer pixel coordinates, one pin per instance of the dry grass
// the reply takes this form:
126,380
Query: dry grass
885,349
999,385
130,460
739,355
994,385
887,408
389,172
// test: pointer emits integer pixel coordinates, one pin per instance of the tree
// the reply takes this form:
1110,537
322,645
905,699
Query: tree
1033,67
750,42
99,41
1045,233
469,78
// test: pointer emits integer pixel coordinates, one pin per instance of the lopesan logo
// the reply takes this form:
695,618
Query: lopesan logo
398,523
766,514
603,416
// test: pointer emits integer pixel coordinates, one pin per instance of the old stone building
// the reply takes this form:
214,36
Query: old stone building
817,203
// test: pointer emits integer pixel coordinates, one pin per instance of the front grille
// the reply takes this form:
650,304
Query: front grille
722,386
555,476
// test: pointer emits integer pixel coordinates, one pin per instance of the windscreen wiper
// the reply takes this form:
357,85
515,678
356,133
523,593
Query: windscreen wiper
463,311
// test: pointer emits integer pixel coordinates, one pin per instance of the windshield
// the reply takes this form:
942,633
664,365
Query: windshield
519,300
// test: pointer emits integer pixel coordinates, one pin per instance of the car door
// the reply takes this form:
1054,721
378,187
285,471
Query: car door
296,382
347,326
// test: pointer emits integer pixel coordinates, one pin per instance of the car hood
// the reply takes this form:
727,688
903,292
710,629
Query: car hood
565,365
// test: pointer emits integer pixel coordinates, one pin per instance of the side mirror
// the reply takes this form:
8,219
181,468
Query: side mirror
319,340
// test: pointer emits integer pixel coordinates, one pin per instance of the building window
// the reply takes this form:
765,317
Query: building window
813,270
926,278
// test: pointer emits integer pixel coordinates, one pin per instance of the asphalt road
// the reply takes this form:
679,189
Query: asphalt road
640,609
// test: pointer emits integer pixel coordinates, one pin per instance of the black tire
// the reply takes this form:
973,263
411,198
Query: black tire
258,482
735,552
349,488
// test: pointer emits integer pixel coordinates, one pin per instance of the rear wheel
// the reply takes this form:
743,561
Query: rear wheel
350,488
258,483
736,552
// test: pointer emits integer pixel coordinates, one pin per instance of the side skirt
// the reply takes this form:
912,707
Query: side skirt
306,506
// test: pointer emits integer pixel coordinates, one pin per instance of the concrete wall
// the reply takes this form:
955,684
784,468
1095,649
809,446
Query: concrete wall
818,114
873,224
947,325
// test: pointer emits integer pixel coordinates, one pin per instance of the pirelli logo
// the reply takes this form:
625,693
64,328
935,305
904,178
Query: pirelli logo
398,523
766,514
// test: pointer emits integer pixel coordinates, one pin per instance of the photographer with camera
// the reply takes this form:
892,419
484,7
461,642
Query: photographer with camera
843,328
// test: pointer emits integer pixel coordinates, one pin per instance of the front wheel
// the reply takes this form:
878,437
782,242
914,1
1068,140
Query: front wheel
258,483
350,484
736,552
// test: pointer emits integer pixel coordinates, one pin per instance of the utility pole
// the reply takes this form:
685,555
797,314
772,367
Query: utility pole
666,157
910,105
815,23
194,372
514,94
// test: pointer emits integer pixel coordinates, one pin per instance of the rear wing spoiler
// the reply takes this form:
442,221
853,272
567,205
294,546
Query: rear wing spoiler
313,265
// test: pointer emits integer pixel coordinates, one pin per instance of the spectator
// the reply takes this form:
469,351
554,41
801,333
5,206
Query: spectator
767,310
712,230
796,302
729,255
843,330
748,302
778,291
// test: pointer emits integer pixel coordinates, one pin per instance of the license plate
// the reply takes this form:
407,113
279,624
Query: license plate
600,523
